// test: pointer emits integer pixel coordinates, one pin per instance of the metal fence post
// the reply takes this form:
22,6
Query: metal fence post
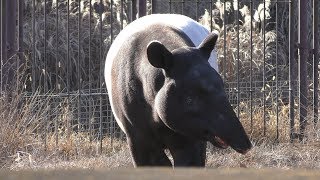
1,49
139,8
11,27
9,43
315,60
20,49
291,69
20,34
3,41
142,8
153,6
100,81
134,4
303,56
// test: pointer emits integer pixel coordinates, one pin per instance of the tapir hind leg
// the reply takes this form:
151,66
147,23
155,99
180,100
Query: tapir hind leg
144,154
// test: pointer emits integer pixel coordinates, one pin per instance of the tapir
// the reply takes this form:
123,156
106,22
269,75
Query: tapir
166,93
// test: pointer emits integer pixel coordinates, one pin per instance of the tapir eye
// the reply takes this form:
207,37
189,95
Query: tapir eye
189,100
191,104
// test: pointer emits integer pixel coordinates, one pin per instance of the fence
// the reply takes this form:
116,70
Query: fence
53,52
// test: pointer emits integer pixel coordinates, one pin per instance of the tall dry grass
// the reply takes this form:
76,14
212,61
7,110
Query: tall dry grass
27,137
19,123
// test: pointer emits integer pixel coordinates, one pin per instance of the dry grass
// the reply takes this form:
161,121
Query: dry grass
282,155
265,155
17,126
22,142
23,148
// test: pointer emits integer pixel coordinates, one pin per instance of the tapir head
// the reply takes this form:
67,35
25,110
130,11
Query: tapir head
192,100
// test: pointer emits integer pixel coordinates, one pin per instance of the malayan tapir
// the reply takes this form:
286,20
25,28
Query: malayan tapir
165,92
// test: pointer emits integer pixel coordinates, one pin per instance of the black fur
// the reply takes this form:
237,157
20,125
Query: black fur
168,97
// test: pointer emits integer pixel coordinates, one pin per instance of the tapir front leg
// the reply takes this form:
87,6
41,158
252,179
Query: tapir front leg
192,154
145,154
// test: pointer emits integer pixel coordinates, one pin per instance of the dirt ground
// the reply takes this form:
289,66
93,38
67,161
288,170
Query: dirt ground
164,173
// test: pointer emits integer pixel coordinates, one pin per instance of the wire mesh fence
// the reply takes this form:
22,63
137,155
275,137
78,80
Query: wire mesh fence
62,44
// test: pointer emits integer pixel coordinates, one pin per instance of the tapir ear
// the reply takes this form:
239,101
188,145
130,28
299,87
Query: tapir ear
158,55
207,45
